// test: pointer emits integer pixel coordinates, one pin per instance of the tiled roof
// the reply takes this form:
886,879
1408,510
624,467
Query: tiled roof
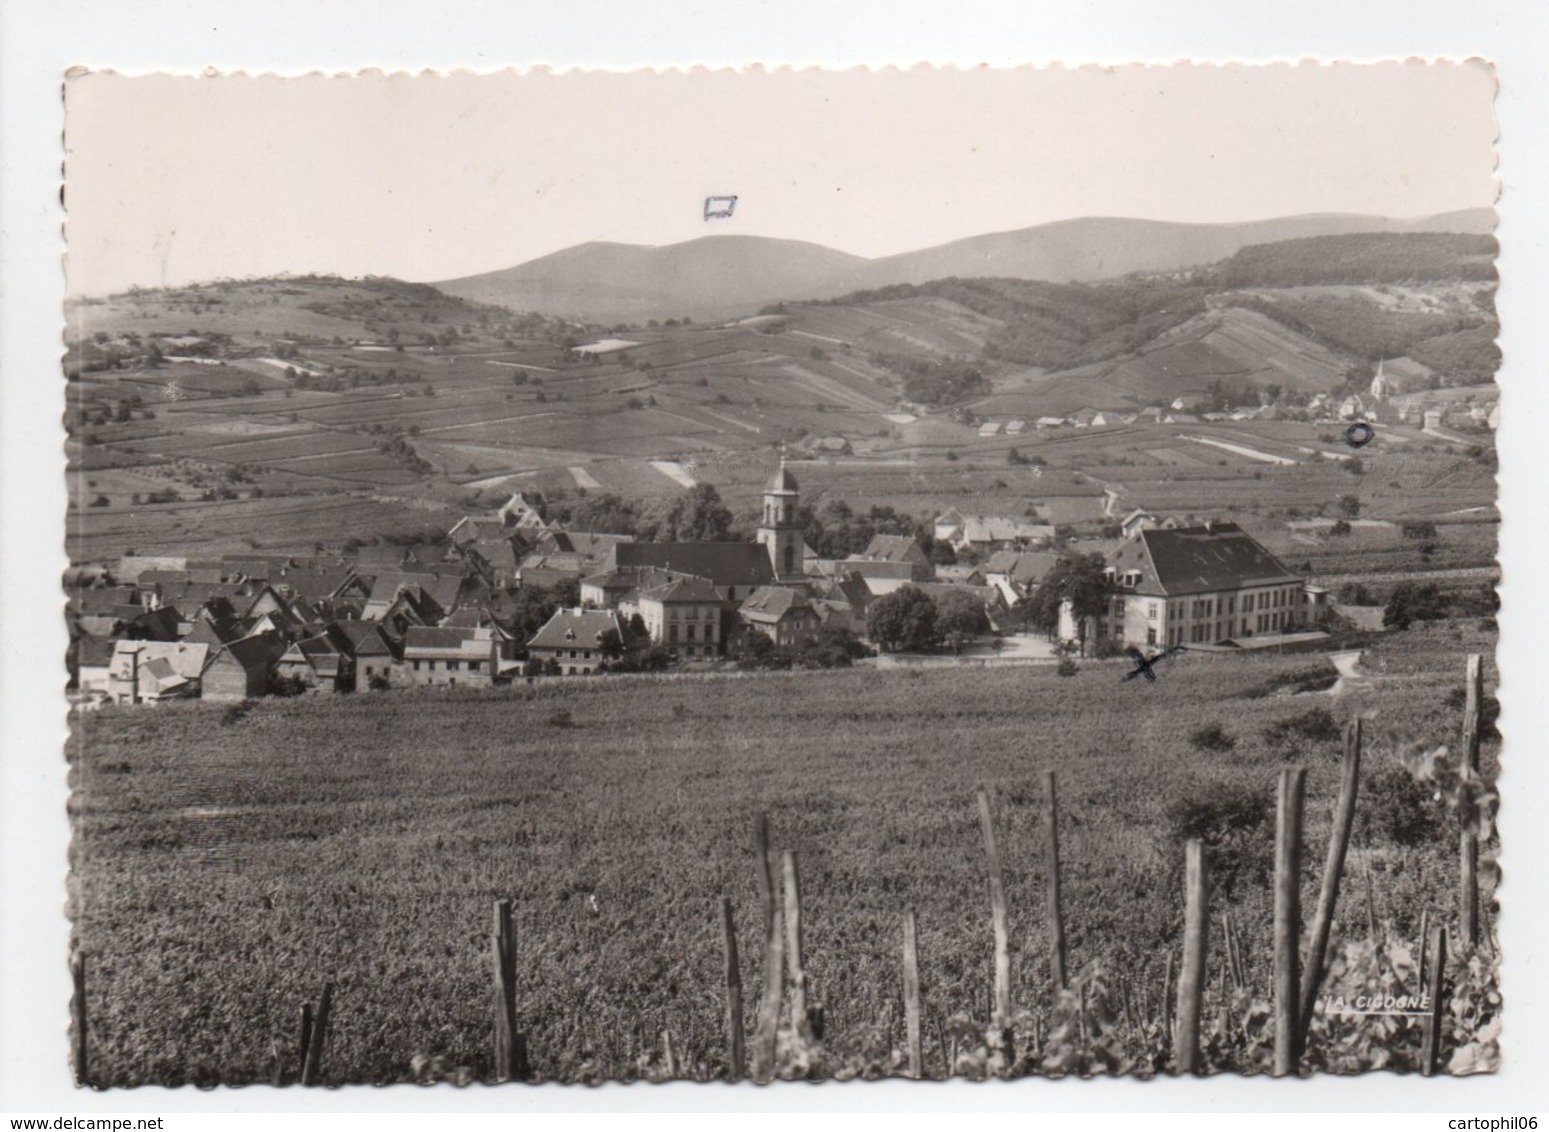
769,604
684,590
891,548
723,563
574,628
1198,560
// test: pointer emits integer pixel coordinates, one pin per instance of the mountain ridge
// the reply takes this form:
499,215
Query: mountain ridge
720,276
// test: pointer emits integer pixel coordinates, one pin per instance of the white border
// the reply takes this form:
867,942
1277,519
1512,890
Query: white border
39,41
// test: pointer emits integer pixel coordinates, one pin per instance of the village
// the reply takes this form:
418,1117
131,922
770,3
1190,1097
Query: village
467,613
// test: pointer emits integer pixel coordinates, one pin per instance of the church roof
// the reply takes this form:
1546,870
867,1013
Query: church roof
782,480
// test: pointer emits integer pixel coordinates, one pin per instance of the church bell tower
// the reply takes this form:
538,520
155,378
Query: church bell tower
780,532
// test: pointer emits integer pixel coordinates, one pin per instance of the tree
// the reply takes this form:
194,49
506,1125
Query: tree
1419,529
1349,506
1410,602
1077,578
960,617
904,620
1340,527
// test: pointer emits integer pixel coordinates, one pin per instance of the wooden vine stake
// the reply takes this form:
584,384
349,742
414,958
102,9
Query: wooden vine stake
510,1043
1433,1020
1333,869
1191,976
1468,894
1051,822
801,1021
1000,1013
79,1049
312,1066
734,1029
1288,915
766,1035
912,997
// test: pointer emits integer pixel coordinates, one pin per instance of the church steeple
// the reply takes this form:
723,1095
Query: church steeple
780,530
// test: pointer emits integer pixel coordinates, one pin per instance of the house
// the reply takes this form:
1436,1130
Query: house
447,657
960,575
103,611
831,446
898,549
1017,573
1200,585
785,616
238,670
1352,408
471,528
522,514
571,641
1049,422
996,608
879,570
154,671
376,654
588,544
322,662
995,532
91,661
685,614
735,568
1137,520
545,571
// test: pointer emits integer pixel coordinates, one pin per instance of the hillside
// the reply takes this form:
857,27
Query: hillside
721,276
713,277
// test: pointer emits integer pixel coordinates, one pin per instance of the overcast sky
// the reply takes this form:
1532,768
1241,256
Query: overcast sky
171,180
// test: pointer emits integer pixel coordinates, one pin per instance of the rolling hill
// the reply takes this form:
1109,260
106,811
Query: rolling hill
721,276
712,277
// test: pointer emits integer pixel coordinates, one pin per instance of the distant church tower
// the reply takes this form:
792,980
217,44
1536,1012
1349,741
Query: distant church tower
780,530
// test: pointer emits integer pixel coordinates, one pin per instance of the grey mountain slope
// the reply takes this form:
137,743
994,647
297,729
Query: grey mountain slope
723,276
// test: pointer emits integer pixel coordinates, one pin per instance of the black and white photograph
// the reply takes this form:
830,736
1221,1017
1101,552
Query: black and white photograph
776,575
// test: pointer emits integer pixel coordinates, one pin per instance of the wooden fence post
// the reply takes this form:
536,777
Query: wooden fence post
306,1034
313,1065
1168,1021
799,1020
78,1018
1000,1014
1468,894
510,1045
669,1054
1433,1021
766,1035
734,1030
1191,975
1051,821
1333,869
912,997
1288,862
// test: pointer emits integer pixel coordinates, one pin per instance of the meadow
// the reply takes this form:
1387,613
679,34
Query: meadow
228,860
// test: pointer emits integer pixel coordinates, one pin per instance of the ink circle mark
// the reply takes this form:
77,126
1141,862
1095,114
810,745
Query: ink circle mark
1360,434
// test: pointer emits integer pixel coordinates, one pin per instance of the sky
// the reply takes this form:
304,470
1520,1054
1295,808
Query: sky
178,179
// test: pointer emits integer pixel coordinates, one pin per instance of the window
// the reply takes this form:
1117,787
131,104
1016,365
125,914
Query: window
1151,611
586,654
572,654
1150,636
690,650
690,633
473,665
453,665
672,634
416,666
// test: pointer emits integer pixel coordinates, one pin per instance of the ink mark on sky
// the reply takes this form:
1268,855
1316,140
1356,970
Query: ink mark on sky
720,208
1146,665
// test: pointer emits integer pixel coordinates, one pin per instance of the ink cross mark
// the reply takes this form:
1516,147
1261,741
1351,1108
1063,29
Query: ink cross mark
1360,434
720,208
1146,665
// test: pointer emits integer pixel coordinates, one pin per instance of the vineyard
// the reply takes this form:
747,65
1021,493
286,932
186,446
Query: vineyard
231,863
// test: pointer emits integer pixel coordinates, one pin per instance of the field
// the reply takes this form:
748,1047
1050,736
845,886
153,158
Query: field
228,861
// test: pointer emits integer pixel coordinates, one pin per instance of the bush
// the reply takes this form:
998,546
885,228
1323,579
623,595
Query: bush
1315,726
1402,811
1067,667
1233,821
1212,737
